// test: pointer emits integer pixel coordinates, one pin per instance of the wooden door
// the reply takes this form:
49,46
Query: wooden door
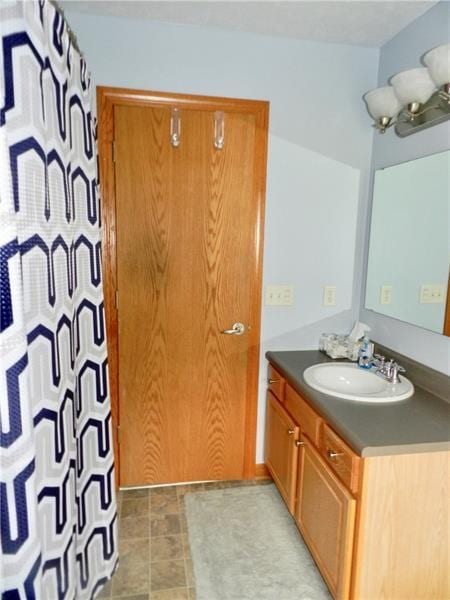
325,513
281,451
188,254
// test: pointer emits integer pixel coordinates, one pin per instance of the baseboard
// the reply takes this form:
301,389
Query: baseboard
262,472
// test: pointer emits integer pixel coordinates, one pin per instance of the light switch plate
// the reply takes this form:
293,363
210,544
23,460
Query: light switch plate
329,295
432,293
279,295
386,294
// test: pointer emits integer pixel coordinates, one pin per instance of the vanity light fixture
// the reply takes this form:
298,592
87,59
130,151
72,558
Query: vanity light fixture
383,106
417,98
413,88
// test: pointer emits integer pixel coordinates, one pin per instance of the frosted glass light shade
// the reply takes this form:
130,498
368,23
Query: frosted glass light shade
382,102
414,85
438,63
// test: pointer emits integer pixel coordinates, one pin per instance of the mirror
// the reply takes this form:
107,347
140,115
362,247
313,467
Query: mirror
409,250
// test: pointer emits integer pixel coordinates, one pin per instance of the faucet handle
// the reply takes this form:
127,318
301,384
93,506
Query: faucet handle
398,367
395,370
379,360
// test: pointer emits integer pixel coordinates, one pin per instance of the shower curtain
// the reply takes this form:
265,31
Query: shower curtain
57,500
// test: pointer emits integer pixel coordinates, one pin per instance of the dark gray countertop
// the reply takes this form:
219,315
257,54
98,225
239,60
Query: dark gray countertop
419,424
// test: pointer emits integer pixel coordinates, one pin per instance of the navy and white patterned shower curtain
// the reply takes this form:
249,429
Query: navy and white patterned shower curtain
57,501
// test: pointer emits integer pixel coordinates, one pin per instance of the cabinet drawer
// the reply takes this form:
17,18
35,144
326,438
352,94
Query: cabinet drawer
305,416
275,383
344,462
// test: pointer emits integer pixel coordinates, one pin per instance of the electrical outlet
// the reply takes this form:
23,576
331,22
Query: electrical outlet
279,295
386,294
431,293
329,295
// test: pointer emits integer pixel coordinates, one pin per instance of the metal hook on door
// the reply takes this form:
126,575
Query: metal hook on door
175,127
219,130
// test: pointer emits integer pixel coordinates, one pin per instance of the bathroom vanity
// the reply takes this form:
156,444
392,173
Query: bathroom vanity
367,484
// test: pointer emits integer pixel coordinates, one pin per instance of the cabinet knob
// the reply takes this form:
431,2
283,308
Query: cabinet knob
290,431
270,381
299,443
332,455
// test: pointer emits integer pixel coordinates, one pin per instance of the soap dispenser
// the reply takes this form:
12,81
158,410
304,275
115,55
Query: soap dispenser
365,353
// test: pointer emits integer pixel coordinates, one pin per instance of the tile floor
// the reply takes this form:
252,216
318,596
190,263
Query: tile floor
154,554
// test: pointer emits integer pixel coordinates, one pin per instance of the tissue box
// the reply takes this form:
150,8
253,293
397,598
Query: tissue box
339,346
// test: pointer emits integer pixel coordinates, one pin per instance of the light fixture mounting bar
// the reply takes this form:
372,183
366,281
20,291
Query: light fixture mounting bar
436,110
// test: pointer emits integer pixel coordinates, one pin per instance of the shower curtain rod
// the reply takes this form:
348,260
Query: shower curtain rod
72,36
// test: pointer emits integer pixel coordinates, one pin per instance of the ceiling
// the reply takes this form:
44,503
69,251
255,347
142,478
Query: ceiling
361,23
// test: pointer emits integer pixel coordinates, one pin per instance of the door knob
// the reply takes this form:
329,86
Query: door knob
237,329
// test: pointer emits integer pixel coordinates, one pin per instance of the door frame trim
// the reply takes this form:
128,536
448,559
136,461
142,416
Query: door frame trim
107,99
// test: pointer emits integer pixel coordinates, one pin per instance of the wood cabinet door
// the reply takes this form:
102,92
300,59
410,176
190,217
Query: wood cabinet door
325,513
281,452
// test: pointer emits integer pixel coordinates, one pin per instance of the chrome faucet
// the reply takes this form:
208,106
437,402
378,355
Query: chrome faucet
388,369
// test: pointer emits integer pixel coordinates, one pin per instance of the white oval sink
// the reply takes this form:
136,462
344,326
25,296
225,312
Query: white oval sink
348,381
